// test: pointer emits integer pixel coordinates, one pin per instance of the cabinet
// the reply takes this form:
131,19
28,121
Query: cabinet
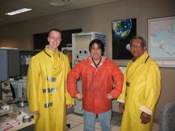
80,45
68,51
25,57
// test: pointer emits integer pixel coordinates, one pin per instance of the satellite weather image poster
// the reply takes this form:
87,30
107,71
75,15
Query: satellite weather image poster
122,32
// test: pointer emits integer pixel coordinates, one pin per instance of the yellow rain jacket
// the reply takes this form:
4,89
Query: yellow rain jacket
141,90
46,90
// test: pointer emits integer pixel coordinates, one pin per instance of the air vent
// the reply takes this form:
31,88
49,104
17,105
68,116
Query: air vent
58,2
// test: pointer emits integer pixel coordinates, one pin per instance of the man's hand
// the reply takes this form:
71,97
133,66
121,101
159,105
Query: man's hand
36,112
79,96
145,118
109,96
121,107
69,106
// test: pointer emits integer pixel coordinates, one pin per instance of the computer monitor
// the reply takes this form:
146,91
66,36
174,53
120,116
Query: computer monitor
9,65
3,65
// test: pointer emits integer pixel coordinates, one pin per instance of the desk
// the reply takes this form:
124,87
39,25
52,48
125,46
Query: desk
23,125
24,111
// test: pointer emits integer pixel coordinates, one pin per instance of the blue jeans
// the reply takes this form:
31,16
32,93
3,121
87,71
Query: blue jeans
90,120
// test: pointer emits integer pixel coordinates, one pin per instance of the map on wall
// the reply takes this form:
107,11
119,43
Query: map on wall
161,40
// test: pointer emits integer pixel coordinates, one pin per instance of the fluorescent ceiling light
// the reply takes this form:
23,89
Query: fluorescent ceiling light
18,11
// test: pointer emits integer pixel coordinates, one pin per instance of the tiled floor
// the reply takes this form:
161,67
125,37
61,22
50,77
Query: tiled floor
76,122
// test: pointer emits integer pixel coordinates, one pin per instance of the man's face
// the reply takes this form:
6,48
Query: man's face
96,52
137,48
54,39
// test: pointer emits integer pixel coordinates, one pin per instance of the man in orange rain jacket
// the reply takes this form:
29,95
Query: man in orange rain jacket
102,81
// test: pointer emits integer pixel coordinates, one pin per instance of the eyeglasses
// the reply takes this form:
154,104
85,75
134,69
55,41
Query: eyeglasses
136,46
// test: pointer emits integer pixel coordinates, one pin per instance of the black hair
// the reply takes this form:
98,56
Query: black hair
99,43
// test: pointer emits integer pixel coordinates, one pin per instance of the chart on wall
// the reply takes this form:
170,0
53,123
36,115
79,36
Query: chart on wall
161,40
122,32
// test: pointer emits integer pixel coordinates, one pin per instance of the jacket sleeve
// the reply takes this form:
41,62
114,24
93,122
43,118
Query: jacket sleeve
152,90
121,97
73,76
32,84
69,99
118,81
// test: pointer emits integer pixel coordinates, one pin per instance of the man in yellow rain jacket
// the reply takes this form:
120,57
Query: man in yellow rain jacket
46,86
141,90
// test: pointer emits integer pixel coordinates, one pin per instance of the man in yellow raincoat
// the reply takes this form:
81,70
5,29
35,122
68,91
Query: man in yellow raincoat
46,86
141,90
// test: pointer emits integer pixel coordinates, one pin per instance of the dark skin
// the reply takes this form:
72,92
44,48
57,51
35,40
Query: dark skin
137,51
144,117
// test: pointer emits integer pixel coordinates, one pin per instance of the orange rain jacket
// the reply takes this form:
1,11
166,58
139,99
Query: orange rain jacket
96,83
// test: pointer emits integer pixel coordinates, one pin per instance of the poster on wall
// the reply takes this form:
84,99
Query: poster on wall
161,40
122,32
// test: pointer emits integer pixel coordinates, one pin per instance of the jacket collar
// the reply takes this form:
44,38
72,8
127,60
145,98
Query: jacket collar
50,53
143,58
102,61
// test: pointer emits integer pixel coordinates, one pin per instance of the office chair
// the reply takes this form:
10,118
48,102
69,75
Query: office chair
167,117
